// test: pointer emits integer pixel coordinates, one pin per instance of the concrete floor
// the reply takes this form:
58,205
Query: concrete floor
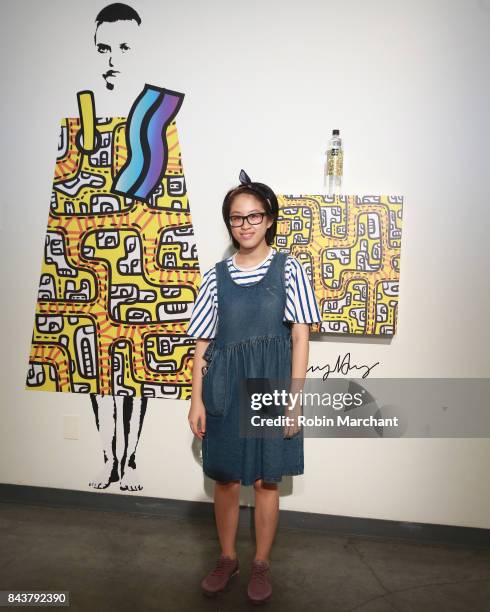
118,561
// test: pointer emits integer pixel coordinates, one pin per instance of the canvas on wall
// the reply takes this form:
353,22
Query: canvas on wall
350,246
120,270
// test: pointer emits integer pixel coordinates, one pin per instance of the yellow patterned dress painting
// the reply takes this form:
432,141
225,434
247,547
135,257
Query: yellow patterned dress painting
120,270
350,247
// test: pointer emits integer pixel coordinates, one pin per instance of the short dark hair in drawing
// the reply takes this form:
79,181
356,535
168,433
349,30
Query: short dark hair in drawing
117,12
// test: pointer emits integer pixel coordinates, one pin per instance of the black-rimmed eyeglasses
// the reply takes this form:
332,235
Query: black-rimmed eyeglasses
255,218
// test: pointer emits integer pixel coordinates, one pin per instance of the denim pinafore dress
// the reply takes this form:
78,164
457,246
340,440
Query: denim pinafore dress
252,341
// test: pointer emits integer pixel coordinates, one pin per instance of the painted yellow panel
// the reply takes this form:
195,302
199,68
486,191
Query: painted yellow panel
350,248
119,275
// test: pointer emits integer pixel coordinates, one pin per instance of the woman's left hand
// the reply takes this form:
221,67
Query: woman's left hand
293,427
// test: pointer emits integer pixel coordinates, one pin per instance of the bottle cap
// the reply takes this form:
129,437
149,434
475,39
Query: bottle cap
335,132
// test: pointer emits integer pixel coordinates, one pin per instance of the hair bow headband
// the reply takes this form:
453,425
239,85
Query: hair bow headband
246,180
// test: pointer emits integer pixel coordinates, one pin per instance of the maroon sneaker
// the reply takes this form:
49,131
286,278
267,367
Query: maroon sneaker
259,588
218,579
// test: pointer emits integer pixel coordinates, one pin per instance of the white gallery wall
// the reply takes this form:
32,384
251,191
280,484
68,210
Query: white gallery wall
407,84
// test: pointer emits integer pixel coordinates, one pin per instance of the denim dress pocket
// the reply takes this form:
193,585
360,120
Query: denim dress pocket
214,381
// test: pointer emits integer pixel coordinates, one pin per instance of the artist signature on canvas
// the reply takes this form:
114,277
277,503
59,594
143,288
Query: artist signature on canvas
343,366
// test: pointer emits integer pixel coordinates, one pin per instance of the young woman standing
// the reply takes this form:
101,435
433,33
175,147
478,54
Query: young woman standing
256,307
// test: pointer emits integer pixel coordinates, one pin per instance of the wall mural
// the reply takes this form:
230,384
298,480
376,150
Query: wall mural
120,271
350,247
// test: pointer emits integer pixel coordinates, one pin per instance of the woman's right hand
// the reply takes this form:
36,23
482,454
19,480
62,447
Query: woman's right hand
197,419
197,411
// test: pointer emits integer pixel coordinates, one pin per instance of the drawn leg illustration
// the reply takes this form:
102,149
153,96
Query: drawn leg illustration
105,418
134,410
108,409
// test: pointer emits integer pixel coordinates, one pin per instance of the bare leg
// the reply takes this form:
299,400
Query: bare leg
266,517
226,511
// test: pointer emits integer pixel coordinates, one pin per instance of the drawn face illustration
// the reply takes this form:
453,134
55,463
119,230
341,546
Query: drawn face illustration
114,42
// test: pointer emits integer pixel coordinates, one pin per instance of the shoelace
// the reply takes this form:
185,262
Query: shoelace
220,568
259,572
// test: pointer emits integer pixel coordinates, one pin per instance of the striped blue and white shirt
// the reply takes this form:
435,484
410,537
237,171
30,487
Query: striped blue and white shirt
301,304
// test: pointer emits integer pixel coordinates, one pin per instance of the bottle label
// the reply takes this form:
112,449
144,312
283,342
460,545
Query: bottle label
335,163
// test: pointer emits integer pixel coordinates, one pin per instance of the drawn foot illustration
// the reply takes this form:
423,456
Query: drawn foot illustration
130,480
107,475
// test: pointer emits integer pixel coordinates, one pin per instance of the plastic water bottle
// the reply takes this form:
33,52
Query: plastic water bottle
332,177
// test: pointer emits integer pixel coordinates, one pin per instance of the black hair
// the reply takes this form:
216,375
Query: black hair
117,12
265,195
